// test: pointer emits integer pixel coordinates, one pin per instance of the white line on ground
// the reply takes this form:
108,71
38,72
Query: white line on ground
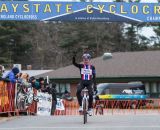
21,128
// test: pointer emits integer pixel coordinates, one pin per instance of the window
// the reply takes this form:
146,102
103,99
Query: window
154,88
68,88
154,95
57,88
147,87
61,87
159,87
106,91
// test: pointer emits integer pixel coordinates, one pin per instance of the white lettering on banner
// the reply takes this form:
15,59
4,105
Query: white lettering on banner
127,91
60,105
44,105
86,71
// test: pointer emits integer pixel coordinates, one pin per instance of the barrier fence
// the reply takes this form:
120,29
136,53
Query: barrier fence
106,107
8,100
101,107
7,96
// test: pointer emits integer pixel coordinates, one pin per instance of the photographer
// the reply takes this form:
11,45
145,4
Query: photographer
52,90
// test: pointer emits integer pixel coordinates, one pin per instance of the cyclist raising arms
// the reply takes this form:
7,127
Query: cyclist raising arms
88,76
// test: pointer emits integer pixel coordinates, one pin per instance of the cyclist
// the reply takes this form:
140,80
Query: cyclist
88,76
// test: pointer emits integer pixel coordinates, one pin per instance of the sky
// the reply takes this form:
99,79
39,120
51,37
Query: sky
148,32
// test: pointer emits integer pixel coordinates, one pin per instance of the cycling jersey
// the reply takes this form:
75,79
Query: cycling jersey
87,72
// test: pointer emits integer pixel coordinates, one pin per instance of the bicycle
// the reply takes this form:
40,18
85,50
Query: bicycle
85,104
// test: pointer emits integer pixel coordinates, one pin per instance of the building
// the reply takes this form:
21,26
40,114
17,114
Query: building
35,72
141,66
31,72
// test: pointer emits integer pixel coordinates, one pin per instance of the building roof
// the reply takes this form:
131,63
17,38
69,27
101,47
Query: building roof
33,72
122,64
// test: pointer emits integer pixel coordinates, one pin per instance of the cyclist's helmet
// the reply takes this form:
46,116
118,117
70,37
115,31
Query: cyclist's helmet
86,56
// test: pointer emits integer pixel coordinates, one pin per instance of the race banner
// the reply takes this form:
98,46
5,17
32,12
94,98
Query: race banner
80,11
44,105
60,105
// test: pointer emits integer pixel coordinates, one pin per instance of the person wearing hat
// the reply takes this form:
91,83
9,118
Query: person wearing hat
12,75
88,76
35,84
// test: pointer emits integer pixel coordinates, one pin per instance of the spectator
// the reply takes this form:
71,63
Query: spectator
24,79
19,77
35,84
67,96
43,85
52,90
12,75
1,71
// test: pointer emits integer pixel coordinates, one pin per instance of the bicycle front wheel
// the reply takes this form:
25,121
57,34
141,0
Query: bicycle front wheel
85,117
84,111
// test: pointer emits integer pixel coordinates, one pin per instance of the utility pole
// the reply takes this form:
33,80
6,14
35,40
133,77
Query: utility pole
10,52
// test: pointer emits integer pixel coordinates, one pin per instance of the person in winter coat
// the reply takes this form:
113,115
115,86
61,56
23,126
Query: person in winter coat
12,75
35,84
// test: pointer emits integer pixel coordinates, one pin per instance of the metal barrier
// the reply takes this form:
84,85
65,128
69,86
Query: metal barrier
101,107
106,107
148,106
8,100
71,108
7,96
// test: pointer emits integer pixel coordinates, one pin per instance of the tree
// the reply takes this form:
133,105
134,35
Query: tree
131,38
12,46
50,45
156,39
